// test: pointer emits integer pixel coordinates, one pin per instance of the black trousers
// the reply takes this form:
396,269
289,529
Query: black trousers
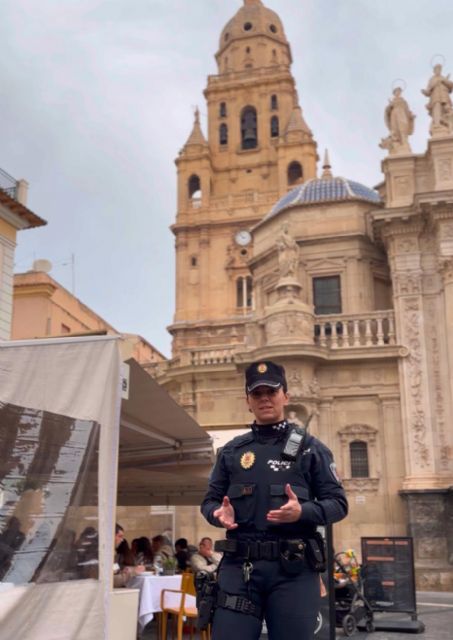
290,603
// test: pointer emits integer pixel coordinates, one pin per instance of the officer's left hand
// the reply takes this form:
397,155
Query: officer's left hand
290,512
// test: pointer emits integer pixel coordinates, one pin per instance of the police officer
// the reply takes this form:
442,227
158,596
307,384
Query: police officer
270,489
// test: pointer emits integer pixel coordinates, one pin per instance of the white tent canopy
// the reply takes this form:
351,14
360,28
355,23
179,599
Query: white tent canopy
164,455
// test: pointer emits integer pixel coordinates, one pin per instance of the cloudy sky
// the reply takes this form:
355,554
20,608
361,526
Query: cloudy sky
97,97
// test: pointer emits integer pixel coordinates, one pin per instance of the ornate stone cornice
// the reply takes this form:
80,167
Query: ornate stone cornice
358,432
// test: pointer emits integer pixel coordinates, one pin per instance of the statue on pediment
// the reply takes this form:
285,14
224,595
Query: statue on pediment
399,120
440,106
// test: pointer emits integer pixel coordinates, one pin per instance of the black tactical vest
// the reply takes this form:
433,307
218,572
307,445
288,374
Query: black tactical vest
258,477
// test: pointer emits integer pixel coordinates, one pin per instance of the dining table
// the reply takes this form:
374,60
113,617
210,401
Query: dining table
151,587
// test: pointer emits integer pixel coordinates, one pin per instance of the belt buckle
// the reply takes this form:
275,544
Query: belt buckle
231,601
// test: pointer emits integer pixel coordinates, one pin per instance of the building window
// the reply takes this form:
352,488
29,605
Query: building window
223,110
295,173
249,128
194,187
274,127
193,261
358,452
65,328
327,295
274,102
223,134
244,292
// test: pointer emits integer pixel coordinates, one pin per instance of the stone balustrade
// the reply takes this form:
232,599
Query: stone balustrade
373,329
212,356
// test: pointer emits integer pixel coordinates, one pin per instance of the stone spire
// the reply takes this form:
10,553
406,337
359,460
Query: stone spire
326,167
296,123
196,137
248,3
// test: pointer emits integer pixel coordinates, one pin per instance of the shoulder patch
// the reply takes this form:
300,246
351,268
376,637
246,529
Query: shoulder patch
334,472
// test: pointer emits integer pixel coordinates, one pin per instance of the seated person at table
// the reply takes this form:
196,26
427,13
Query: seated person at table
182,554
123,568
159,548
206,559
141,551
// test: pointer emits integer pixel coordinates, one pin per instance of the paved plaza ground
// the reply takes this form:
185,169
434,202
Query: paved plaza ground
435,610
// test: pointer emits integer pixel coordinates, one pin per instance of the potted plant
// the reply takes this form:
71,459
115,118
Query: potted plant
169,566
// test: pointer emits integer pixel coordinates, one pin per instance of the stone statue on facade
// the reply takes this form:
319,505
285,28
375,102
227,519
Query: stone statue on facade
440,106
399,120
288,253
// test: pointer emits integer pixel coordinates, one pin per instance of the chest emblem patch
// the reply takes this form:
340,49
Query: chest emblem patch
248,460
280,465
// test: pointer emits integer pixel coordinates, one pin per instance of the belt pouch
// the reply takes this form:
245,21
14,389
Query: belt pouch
292,556
315,551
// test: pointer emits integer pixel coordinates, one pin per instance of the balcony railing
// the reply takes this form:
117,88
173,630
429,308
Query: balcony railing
212,356
374,329
8,184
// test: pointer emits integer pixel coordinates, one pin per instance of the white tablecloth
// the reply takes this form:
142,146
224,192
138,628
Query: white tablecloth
149,599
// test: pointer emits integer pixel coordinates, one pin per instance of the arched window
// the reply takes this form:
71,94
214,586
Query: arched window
358,451
274,102
249,128
244,292
223,134
193,261
194,190
274,127
295,172
222,110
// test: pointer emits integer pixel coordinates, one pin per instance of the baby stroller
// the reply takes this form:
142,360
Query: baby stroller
351,606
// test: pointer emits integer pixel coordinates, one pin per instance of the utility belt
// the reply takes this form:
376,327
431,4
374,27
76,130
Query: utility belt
292,553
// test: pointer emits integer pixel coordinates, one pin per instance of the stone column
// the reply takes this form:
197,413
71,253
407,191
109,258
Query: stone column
406,267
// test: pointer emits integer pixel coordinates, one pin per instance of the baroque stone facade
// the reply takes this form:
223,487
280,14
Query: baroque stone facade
350,289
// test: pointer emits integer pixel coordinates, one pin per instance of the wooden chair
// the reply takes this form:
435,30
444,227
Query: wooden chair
180,611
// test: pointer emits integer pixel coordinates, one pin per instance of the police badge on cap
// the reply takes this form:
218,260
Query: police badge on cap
265,373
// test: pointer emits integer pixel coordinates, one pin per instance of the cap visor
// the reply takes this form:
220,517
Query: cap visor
263,383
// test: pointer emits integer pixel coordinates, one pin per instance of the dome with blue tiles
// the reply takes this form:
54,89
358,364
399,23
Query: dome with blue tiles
325,189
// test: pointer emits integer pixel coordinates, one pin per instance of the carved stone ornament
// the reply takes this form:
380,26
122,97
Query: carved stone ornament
413,364
285,327
299,387
361,485
407,283
446,269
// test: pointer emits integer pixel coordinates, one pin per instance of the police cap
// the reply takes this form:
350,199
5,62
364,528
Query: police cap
265,373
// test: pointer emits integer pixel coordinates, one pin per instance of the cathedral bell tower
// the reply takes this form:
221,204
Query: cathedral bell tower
258,146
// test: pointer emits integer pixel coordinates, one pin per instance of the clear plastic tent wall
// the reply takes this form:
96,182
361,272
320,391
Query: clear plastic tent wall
59,430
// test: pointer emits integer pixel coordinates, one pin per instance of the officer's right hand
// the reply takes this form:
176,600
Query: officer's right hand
225,514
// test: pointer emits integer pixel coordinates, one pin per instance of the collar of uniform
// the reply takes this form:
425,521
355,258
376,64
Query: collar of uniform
269,431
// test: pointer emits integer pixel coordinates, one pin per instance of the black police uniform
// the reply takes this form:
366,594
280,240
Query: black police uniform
252,473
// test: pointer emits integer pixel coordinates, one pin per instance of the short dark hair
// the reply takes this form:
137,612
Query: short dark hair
181,542
118,528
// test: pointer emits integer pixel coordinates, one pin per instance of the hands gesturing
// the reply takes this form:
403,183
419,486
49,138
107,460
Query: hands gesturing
225,514
289,512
